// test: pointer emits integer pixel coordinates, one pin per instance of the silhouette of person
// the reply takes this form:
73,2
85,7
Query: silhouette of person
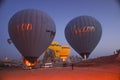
72,66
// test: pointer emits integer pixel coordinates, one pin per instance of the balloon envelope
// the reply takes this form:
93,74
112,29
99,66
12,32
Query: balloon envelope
65,52
62,51
83,33
31,32
56,47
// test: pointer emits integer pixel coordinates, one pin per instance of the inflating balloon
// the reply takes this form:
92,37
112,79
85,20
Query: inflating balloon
83,33
62,51
56,47
31,31
65,52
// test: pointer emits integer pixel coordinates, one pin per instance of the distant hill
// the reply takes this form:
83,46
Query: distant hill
104,60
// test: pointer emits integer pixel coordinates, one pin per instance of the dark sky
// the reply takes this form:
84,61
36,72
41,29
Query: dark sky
1,2
107,12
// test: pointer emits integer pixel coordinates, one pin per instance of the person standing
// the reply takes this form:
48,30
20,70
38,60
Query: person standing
72,66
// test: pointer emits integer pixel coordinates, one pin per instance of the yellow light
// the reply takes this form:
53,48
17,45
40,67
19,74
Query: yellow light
65,52
62,51
56,47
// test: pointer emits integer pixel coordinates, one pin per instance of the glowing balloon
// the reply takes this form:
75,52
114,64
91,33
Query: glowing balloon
56,47
61,51
65,52
31,31
83,33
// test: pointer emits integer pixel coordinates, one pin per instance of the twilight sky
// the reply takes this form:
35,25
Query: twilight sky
107,12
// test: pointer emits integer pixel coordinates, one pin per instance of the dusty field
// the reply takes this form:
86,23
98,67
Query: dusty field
106,72
102,68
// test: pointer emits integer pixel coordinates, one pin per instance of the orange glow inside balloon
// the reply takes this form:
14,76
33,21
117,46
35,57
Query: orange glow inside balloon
63,58
29,64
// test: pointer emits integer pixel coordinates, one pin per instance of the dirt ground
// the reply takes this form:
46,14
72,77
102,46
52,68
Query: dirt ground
104,72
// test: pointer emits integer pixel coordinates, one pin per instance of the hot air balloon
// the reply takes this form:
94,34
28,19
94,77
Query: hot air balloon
83,33
65,52
31,31
56,47
61,51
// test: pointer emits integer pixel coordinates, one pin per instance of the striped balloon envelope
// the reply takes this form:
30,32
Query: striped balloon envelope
31,31
83,33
